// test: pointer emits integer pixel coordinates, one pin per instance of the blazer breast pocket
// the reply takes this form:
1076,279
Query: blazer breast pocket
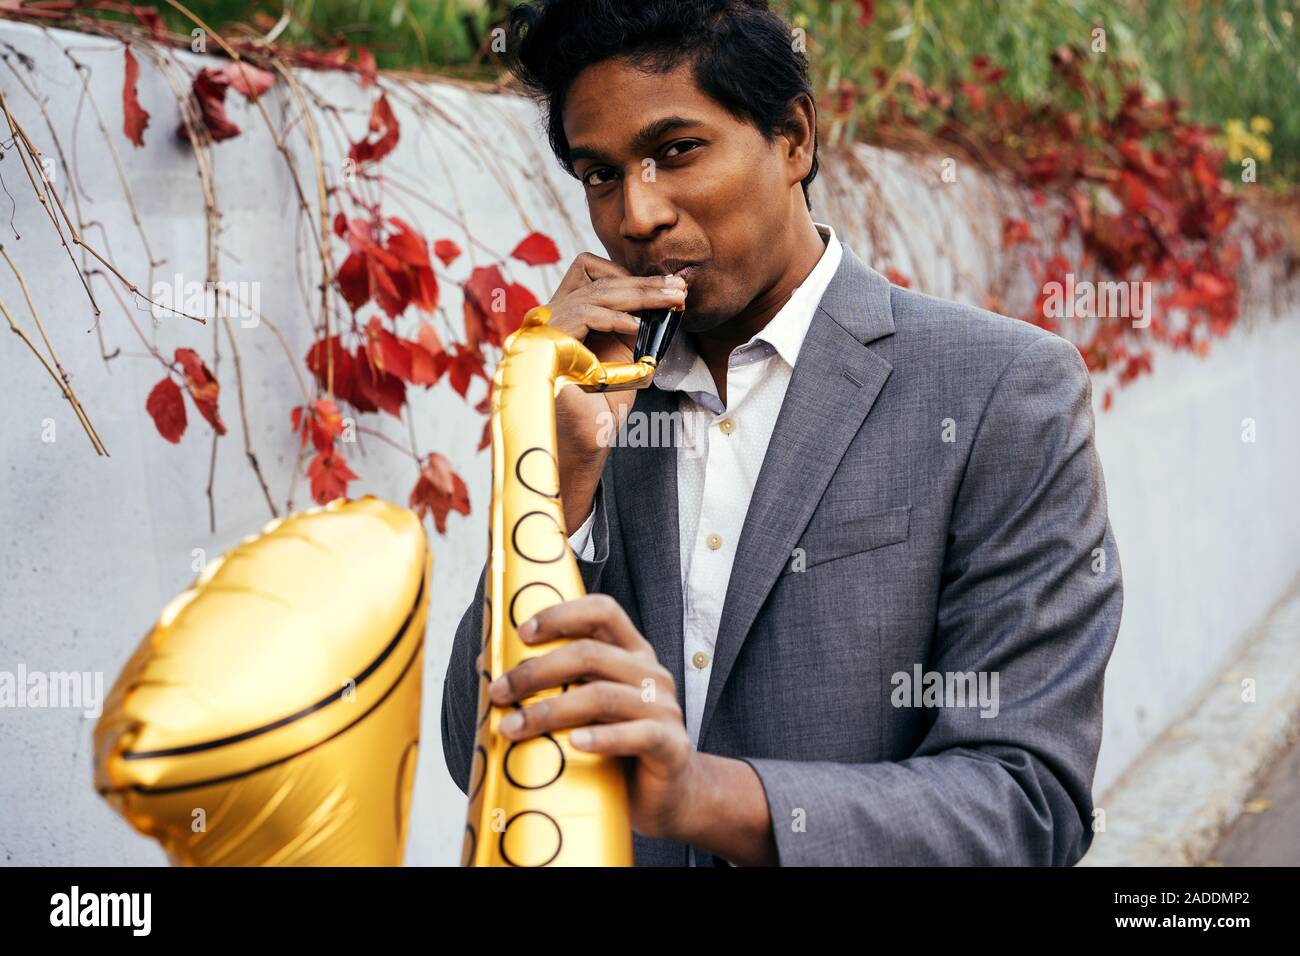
835,533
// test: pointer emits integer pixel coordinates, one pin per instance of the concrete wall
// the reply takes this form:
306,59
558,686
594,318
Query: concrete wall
93,548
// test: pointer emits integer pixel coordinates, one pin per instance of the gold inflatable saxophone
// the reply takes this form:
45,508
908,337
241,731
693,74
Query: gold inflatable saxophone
540,802
272,715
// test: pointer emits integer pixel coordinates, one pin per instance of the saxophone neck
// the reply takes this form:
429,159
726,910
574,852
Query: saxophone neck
569,361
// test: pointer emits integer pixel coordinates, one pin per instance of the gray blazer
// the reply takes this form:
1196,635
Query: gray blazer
931,501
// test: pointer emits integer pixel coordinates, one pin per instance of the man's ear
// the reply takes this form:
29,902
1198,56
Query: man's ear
800,136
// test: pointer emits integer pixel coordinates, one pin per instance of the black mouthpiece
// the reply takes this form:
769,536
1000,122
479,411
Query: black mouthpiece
656,333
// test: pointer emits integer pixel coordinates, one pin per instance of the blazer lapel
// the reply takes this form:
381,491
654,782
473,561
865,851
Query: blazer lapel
646,479
835,382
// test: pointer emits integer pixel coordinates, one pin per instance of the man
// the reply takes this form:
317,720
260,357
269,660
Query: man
876,589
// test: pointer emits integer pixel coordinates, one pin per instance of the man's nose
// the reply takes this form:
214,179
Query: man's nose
646,209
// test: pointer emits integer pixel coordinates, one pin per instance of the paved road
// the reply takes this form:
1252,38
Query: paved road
1269,836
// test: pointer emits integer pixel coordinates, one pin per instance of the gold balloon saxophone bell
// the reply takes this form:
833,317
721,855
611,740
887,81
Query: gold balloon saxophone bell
540,802
272,715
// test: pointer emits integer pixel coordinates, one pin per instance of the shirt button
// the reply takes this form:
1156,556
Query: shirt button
714,541
727,425
700,660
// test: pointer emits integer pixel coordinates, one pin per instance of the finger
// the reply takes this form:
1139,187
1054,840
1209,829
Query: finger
634,293
592,615
584,659
582,317
585,269
634,738
598,702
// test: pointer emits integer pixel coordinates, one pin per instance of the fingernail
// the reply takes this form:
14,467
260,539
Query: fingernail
528,628
498,688
675,280
580,739
512,723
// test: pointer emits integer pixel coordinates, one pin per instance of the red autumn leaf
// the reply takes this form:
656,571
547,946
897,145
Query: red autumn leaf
446,251
1015,232
390,288
975,94
519,300
134,118
1133,191
484,291
478,329
247,80
147,16
203,388
537,250
897,278
380,390
485,406
345,373
429,340
1204,174
366,67
486,440
324,423
1210,285
429,359
866,12
381,136
846,96
353,280
329,475
166,406
329,60
209,92
394,274
465,364
438,491
409,248
387,352
406,245
494,308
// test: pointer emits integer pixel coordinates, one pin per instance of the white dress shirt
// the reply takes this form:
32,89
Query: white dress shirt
719,458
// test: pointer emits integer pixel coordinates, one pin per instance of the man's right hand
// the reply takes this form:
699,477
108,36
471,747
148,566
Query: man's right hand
594,304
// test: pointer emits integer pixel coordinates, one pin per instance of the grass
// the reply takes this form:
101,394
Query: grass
1229,60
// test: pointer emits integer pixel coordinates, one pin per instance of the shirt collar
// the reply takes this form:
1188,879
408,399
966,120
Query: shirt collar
682,369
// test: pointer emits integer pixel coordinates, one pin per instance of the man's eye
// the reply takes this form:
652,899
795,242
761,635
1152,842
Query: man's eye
687,144
586,179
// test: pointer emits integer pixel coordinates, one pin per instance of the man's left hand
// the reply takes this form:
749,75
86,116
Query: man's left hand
621,701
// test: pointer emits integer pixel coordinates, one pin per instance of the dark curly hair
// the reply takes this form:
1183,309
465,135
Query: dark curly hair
741,53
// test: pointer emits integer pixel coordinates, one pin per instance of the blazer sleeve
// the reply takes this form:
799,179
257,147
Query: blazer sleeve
460,687
1031,594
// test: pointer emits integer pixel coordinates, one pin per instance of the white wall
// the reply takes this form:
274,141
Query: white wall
93,548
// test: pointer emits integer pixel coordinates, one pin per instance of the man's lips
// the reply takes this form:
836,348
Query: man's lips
690,272
685,268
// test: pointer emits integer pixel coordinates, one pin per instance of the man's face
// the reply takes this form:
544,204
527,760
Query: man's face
709,190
